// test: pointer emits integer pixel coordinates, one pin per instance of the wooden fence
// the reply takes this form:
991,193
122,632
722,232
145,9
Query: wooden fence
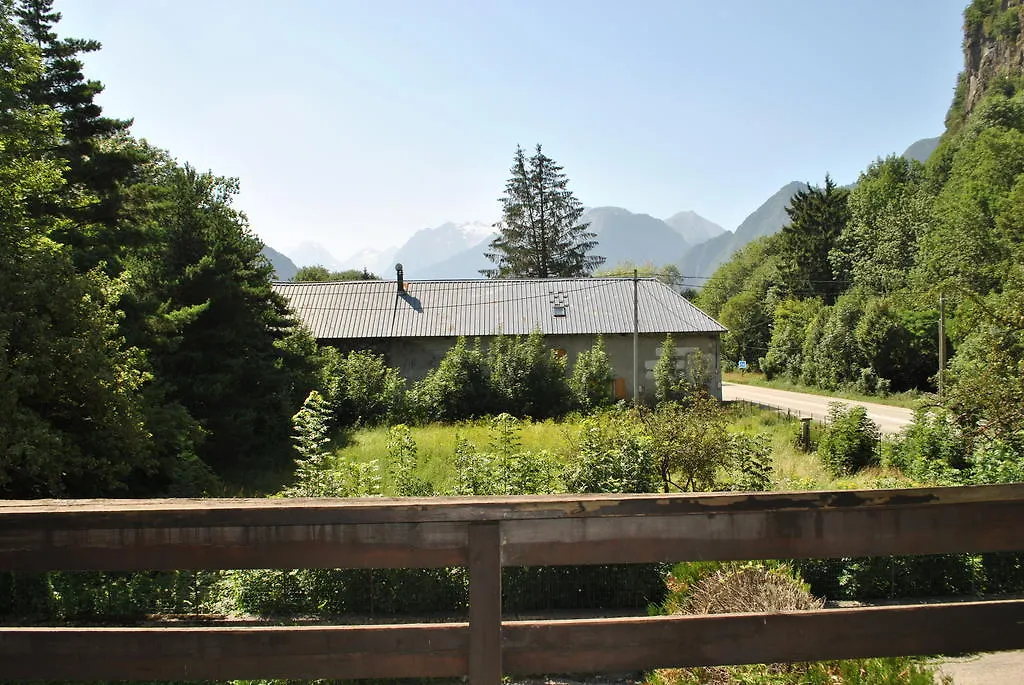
486,534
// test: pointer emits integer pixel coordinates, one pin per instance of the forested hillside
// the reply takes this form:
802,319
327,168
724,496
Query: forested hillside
849,292
142,350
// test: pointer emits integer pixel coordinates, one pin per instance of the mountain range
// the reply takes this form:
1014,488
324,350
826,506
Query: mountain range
452,250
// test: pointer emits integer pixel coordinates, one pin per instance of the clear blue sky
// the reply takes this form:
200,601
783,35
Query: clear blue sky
353,124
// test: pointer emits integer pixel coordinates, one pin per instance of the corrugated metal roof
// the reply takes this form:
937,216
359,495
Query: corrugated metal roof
375,309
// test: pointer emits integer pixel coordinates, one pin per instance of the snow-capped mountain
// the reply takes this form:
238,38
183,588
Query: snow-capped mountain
313,254
431,246
380,262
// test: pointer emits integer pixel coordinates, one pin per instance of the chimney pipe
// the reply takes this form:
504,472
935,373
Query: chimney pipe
401,280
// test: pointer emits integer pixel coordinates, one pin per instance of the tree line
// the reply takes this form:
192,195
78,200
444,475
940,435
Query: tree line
848,293
142,350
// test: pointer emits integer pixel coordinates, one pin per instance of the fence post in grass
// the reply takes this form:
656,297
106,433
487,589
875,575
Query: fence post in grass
485,603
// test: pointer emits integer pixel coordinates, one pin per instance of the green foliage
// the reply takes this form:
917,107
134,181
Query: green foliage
525,377
850,441
750,465
539,235
505,469
751,262
592,376
361,388
318,273
517,375
457,389
817,217
69,385
890,207
613,453
678,379
784,358
691,444
215,325
402,453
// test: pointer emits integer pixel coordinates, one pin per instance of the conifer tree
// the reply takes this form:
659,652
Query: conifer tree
817,216
540,234
97,165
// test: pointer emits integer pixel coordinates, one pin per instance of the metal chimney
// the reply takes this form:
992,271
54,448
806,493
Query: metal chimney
401,279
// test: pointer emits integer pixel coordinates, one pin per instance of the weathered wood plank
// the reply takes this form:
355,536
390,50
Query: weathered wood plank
609,645
386,545
392,651
813,533
184,513
485,604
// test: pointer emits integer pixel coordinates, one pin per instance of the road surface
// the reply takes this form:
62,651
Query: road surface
890,419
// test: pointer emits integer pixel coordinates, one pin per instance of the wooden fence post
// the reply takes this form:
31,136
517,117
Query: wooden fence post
485,603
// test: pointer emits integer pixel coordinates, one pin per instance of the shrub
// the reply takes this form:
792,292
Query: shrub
849,442
678,379
751,467
526,378
614,454
457,389
932,449
505,469
402,453
591,380
361,388
691,444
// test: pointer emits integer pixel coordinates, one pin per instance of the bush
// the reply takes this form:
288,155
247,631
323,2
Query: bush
457,389
691,444
614,454
526,378
849,442
362,389
505,469
933,449
678,379
592,376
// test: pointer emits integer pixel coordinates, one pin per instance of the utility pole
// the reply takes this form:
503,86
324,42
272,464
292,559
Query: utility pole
636,338
942,343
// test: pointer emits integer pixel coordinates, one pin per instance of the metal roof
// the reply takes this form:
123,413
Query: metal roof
376,309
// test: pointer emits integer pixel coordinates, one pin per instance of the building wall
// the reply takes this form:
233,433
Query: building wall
415,357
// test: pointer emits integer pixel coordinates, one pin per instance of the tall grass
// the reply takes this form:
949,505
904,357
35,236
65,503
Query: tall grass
435,444
794,469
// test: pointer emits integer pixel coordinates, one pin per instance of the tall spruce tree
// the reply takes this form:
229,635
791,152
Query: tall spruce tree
97,165
540,234
817,216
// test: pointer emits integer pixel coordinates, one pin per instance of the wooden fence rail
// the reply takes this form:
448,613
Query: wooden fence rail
485,534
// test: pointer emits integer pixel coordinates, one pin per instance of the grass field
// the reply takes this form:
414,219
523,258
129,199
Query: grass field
908,400
794,469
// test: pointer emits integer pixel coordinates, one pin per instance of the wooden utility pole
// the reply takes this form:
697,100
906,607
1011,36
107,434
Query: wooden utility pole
636,339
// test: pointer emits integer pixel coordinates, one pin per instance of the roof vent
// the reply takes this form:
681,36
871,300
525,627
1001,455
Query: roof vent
401,278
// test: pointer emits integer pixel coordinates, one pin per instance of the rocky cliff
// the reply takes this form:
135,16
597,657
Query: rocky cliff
993,50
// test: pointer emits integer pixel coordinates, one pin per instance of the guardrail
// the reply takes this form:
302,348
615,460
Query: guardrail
486,534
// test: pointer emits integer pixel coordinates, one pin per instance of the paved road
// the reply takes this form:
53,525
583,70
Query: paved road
999,668
890,419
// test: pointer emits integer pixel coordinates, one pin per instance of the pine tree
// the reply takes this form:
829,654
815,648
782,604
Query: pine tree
540,234
817,216
98,163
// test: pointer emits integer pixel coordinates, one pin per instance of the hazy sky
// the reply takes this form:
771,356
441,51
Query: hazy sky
354,124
